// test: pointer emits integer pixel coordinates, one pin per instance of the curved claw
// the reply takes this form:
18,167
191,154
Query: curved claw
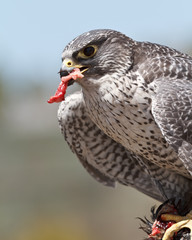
176,227
181,222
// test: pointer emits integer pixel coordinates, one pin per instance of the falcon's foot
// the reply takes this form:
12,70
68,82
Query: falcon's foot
181,222
168,224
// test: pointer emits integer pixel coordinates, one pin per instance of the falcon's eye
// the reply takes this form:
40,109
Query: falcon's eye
88,52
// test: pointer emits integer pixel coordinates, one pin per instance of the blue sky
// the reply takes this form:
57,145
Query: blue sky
34,33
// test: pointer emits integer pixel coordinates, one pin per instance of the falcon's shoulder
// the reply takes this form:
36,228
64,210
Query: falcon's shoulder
154,61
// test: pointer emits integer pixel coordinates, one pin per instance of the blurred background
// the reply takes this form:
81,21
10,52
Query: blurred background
45,193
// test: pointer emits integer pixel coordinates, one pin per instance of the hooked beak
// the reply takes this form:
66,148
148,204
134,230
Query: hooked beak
68,66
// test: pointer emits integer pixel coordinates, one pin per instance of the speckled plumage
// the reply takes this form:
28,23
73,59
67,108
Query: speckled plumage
132,123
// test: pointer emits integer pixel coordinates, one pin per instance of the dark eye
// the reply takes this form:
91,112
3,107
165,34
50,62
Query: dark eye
89,51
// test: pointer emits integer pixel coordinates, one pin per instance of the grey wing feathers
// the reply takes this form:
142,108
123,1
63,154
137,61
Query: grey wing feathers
106,160
172,110
75,128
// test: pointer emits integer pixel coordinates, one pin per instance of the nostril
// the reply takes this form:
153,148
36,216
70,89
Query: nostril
69,63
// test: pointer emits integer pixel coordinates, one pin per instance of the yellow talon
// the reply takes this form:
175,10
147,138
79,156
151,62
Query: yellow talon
181,222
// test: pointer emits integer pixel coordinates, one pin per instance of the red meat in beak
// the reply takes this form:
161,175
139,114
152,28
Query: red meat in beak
61,90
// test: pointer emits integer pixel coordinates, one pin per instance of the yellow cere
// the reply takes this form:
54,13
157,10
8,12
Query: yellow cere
68,62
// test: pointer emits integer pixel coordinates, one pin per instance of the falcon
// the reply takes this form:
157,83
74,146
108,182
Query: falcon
132,121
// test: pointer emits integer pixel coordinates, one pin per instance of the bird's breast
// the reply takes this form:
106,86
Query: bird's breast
123,112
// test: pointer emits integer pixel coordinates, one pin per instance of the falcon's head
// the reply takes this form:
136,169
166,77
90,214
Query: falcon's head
96,53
